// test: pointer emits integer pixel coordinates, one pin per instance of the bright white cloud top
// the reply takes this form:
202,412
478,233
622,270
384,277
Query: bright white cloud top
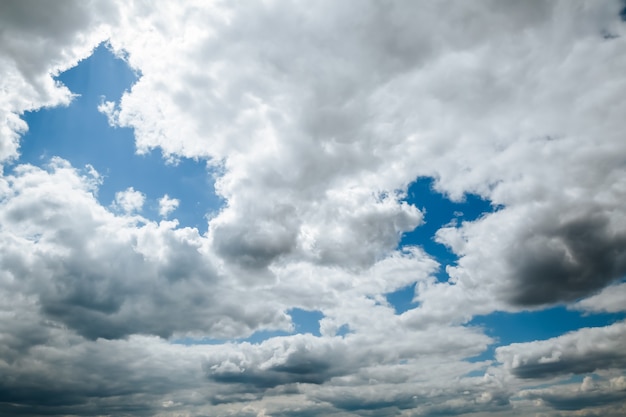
317,281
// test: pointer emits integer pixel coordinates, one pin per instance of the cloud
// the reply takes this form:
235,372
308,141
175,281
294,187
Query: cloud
579,352
314,121
167,205
129,200
587,395
109,276
70,376
609,300
544,255
37,42
316,157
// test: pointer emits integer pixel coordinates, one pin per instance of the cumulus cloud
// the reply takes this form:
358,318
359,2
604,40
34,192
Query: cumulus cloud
167,205
314,157
315,120
609,300
108,276
583,351
129,200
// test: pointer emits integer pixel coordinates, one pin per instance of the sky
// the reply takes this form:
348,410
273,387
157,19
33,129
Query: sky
355,208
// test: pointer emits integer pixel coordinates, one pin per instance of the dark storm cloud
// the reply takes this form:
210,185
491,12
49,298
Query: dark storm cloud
571,261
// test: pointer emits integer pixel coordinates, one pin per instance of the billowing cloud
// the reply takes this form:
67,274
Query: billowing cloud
315,156
314,121
583,351
111,276
129,200
609,300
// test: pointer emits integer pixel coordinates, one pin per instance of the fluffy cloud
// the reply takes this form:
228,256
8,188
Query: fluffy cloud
110,276
167,205
583,351
314,121
314,157
610,300
129,200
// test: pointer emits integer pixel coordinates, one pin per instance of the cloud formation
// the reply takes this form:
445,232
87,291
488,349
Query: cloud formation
579,352
314,121
167,205
129,200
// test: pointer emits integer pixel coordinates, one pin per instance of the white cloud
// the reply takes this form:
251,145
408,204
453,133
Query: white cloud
609,300
110,111
167,205
129,200
316,119
104,275
308,145
582,351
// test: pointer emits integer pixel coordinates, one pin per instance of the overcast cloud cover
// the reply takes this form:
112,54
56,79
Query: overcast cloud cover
313,120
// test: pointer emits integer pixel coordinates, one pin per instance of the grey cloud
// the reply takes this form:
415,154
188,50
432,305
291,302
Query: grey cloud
564,366
569,261
425,399
33,36
255,243
609,300
318,119
538,253
297,359
591,393
74,377
37,41
395,98
583,351
358,373
108,276
579,401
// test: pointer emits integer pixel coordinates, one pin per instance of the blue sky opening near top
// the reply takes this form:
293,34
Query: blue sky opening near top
81,134
528,326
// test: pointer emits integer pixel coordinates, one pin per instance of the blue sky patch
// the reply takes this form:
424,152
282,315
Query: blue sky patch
81,134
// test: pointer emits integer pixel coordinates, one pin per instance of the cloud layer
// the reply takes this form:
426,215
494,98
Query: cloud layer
314,121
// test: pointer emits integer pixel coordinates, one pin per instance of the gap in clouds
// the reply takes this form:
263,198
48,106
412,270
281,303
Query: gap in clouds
439,211
402,299
81,134
529,326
